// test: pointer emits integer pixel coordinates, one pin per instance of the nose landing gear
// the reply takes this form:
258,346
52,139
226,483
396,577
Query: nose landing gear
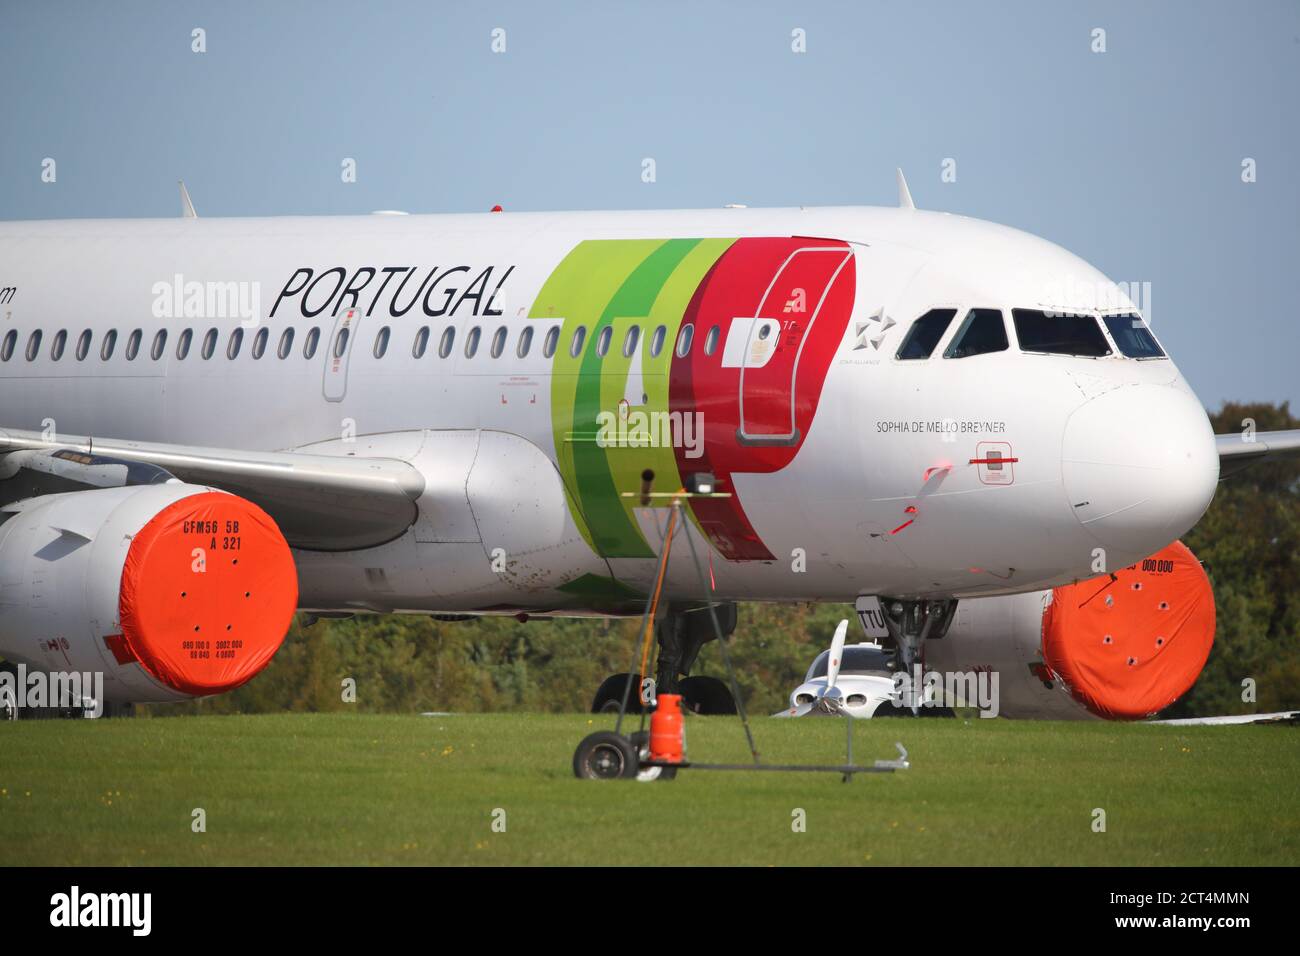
910,623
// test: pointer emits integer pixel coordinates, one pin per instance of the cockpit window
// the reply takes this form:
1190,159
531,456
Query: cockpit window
857,660
982,331
1133,337
925,334
1058,333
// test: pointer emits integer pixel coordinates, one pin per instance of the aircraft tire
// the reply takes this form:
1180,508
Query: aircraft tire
708,696
609,695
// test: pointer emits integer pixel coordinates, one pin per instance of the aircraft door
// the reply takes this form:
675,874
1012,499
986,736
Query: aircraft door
772,340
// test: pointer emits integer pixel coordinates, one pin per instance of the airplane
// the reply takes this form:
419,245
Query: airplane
210,424
849,680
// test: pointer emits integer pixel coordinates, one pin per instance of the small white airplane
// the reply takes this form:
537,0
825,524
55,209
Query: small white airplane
845,680
209,424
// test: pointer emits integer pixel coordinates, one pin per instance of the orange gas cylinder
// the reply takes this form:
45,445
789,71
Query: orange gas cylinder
667,730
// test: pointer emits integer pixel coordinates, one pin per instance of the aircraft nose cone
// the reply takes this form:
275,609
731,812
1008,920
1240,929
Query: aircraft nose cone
1139,465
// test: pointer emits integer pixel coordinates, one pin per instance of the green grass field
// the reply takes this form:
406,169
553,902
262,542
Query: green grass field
353,789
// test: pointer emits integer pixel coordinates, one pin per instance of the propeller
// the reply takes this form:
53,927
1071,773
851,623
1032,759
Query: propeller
837,654
829,700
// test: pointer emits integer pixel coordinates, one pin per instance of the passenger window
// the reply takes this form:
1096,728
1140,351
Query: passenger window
711,340
579,337
311,343
159,345
925,334
448,340
83,345
341,342
603,340
657,341
259,342
183,344
684,340
1057,333
10,342
551,341
60,343
1133,337
286,344
471,342
381,342
498,342
525,341
110,343
980,333
421,342
629,342
133,345
33,345
234,343
209,344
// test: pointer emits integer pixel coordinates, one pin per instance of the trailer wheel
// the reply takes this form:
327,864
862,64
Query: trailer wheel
641,741
605,755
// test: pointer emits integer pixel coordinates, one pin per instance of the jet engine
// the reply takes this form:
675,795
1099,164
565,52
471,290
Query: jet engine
1122,646
169,590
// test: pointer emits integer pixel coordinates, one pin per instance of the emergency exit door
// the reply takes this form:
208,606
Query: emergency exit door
338,350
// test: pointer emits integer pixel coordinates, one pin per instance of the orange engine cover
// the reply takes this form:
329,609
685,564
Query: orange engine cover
1129,645
208,590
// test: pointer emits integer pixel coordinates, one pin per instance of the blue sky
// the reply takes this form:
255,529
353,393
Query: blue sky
1131,158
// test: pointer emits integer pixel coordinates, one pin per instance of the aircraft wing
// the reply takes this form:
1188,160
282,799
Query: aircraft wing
1278,717
320,502
1239,451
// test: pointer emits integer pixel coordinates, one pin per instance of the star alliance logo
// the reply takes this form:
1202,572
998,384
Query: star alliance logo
872,330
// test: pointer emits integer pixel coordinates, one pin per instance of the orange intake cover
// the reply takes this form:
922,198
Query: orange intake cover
1130,644
208,590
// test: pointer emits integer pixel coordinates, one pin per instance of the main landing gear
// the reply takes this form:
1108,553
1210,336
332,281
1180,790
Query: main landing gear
680,633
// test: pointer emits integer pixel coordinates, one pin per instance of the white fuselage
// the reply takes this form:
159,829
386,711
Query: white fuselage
879,494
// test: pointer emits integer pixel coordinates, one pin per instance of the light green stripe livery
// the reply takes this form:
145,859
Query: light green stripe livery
616,283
